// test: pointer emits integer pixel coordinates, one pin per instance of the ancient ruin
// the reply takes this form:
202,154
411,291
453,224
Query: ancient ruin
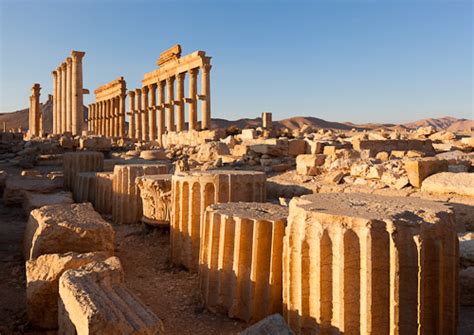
34,117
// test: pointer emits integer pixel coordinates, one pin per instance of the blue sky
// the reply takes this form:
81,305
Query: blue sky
361,61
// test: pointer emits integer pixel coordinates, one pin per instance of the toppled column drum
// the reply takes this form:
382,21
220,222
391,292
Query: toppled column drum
76,162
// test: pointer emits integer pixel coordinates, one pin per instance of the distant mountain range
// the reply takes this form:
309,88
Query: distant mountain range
20,119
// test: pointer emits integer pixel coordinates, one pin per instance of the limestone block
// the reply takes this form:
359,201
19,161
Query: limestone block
15,188
155,192
277,150
127,207
103,192
153,154
369,264
211,151
95,143
63,228
296,147
95,300
376,146
419,169
271,325
76,162
192,192
240,259
84,187
449,182
240,149
34,200
308,165
248,134
42,278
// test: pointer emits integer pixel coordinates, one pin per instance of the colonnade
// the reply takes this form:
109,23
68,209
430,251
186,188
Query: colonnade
68,114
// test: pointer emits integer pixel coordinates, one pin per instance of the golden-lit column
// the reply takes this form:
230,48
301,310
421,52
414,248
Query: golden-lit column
69,94
205,97
138,120
122,115
131,115
116,131
111,117
144,113
103,106
152,112
179,101
108,107
161,112
170,104
89,117
63,98
58,101
77,112
96,119
192,99
55,101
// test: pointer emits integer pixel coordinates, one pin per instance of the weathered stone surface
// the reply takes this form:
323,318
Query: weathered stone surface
419,169
369,264
15,188
84,187
192,192
449,182
76,162
211,151
466,249
96,143
466,286
127,206
153,154
240,259
63,228
376,146
271,325
42,290
103,192
155,192
296,147
308,165
33,200
95,300
248,134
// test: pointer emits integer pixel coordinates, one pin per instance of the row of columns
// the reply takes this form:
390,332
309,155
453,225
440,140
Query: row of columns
147,114
68,114
34,116
107,117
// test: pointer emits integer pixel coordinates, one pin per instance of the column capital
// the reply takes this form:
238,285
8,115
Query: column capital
170,80
152,87
35,89
206,67
145,89
181,76
138,91
131,94
77,55
69,61
54,73
63,66
193,72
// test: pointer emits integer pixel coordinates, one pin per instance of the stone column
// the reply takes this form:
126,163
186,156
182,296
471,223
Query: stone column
170,104
69,94
122,115
161,112
266,120
107,118
152,112
103,108
192,99
89,116
59,101
111,117
131,115
138,120
206,97
77,94
179,101
116,130
144,113
63,97
55,101
34,111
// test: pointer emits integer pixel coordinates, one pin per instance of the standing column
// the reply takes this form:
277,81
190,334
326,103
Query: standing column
179,101
63,97
192,99
69,94
152,112
144,113
58,101
206,97
170,103
55,101
116,121
77,94
131,115
111,117
107,118
34,112
103,117
161,112
89,117
122,115
138,117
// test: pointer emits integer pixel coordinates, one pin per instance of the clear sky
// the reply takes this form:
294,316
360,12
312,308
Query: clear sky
361,61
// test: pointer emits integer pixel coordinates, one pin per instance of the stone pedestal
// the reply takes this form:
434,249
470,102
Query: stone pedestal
155,192
193,192
367,264
240,262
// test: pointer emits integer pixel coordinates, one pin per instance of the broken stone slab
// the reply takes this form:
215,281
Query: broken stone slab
449,182
419,169
272,325
94,300
33,200
308,165
63,228
42,288
15,188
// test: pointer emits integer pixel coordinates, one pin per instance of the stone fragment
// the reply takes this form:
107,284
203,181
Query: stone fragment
449,182
95,143
296,147
76,162
153,154
308,165
63,228
272,325
419,169
376,146
84,187
240,259
103,192
155,192
248,134
95,300
15,188
33,200
369,264
211,151
276,150
383,156
42,290
334,177
193,192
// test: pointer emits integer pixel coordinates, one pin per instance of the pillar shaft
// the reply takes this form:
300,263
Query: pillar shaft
144,113
63,97
122,115
69,94
116,129
138,119
131,123
161,112
170,104
192,99
55,101
58,101
152,112
77,94
103,107
206,97
179,102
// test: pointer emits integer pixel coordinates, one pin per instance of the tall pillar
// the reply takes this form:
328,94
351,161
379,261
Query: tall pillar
116,129
63,97
69,94
131,123
122,115
34,117
206,97
55,101
103,118
152,112
192,99
89,117
170,104
111,117
58,101
138,119
179,101
77,94
161,112
144,113
107,118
